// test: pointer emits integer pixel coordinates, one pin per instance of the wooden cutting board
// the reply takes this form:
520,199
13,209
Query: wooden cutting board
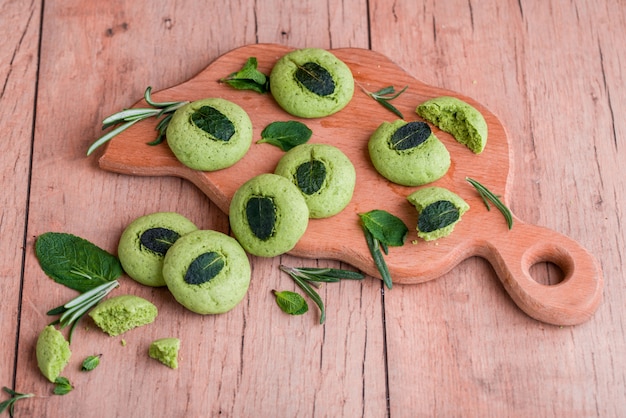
480,233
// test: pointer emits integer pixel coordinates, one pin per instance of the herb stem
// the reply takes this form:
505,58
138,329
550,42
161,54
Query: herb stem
488,196
374,246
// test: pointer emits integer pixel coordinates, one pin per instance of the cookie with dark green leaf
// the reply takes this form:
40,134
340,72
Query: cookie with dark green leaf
268,215
311,83
457,117
438,209
145,241
207,272
408,153
324,175
209,134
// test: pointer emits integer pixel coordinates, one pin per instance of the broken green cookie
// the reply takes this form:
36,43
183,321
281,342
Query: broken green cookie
438,209
53,352
123,313
165,350
459,118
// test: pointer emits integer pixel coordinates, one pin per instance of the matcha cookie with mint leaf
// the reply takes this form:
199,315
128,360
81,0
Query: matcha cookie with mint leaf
408,153
438,209
311,83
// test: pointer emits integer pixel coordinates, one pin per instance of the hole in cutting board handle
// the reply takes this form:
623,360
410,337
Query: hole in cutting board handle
548,264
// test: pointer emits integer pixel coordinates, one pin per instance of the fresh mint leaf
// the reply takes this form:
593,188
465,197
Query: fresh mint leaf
315,78
248,78
62,386
75,262
290,302
285,135
385,227
90,363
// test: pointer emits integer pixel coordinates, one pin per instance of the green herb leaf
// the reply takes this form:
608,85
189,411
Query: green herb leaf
158,240
305,276
204,268
385,227
488,196
213,122
261,216
75,262
315,78
285,135
310,176
62,386
437,215
410,136
128,117
90,363
248,78
290,302
384,96
15,396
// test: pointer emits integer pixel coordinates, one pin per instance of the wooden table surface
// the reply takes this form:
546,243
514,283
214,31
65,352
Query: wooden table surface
553,73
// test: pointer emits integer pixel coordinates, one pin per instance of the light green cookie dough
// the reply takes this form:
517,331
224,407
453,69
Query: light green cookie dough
207,272
324,175
466,124
145,241
53,352
408,153
119,314
165,350
228,138
311,83
268,215
437,200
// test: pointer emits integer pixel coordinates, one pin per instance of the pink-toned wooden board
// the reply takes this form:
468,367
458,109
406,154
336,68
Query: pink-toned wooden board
480,233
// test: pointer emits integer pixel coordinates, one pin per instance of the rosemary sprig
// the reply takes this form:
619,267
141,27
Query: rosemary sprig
15,396
128,117
384,96
374,246
309,277
488,196
73,311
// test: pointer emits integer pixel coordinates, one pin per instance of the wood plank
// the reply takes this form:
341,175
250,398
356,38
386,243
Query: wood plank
547,71
18,72
254,359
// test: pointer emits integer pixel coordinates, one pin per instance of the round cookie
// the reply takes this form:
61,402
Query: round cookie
207,272
145,241
324,175
209,134
311,83
439,210
408,153
466,124
268,215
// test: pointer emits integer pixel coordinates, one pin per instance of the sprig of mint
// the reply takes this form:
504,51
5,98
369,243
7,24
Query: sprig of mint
90,363
285,135
248,78
128,117
382,229
308,277
384,96
15,396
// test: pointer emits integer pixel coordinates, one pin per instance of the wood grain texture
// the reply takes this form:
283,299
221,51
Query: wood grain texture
552,73
18,78
340,237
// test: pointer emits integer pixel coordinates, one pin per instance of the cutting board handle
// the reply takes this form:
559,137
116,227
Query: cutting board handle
571,301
